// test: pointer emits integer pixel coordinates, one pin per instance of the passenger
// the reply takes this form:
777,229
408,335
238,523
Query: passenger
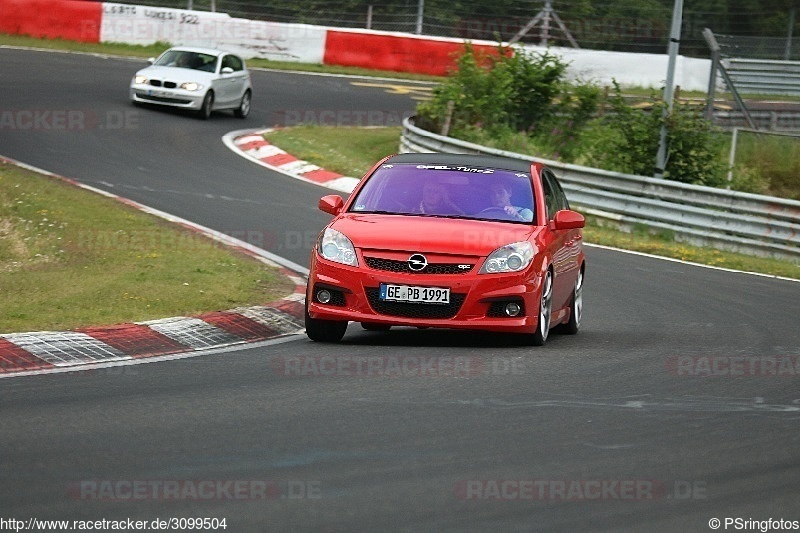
436,201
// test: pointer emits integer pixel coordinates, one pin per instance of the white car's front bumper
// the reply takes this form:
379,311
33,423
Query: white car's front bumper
147,94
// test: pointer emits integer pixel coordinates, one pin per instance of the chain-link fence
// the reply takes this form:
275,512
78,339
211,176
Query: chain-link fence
648,31
758,47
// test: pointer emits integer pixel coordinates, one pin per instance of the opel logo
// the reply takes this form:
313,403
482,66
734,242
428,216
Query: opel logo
417,262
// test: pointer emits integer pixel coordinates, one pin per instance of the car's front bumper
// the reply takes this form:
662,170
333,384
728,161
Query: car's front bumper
477,300
147,94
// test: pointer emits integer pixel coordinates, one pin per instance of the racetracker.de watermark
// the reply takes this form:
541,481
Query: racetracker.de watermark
372,118
578,489
734,365
67,120
393,366
194,490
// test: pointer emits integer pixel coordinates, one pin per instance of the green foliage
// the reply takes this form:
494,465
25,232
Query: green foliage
521,102
627,140
512,94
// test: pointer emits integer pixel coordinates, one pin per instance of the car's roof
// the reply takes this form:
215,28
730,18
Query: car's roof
200,50
488,161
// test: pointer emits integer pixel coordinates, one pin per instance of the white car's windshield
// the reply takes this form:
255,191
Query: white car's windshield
187,59
449,191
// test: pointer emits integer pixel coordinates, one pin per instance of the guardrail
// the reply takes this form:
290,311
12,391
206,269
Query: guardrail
763,76
731,220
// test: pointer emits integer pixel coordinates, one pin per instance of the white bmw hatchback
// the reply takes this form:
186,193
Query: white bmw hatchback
200,79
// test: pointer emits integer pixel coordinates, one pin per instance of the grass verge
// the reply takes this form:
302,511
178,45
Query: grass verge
70,258
324,146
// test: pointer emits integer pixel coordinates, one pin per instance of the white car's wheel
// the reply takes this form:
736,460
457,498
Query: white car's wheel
244,106
205,109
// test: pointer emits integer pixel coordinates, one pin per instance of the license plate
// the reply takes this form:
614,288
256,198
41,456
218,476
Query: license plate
413,294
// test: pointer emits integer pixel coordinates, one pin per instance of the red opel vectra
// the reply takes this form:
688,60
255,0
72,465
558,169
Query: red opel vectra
449,241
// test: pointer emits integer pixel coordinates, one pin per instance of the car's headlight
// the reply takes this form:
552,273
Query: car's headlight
140,79
191,86
335,246
509,258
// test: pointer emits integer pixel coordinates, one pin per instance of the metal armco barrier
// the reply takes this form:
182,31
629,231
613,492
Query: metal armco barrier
748,223
762,76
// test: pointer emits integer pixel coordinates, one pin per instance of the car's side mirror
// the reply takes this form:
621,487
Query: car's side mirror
331,204
151,60
227,70
566,219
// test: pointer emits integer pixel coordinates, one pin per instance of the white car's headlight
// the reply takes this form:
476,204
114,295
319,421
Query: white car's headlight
335,246
509,258
191,86
139,79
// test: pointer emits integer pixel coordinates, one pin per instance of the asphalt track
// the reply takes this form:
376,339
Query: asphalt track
613,407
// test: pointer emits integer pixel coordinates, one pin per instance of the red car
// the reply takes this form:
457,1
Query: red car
449,241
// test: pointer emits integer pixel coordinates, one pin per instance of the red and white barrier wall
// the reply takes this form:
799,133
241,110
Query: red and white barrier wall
52,19
88,21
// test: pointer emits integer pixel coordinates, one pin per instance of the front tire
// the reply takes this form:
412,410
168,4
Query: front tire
205,109
244,106
539,337
324,330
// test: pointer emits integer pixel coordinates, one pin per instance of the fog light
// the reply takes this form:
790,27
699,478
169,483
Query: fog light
324,296
512,309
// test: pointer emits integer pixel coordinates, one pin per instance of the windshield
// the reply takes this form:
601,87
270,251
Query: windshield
187,59
448,191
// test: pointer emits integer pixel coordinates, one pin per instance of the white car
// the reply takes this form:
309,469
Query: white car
200,79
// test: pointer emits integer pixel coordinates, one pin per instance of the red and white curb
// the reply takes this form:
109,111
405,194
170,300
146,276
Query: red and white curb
48,351
252,145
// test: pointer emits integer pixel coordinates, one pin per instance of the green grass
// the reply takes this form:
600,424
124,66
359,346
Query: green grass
70,258
363,146
323,146
777,157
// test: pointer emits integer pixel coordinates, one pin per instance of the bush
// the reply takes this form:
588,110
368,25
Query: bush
627,140
520,101
508,92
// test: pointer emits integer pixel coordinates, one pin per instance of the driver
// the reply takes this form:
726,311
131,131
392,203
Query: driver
500,195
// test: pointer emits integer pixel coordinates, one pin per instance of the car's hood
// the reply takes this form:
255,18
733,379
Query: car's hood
430,234
176,74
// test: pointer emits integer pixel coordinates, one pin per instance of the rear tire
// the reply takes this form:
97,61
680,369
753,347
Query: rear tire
244,106
205,109
575,309
539,337
324,330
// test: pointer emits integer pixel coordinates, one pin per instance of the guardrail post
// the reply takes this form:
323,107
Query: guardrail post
712,81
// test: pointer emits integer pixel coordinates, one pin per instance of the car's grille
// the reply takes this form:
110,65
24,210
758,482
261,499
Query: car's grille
165,99
167,84
414,310
391,265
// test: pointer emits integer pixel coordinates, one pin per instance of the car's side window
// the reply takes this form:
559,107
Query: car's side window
560,192
233,62
551,198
